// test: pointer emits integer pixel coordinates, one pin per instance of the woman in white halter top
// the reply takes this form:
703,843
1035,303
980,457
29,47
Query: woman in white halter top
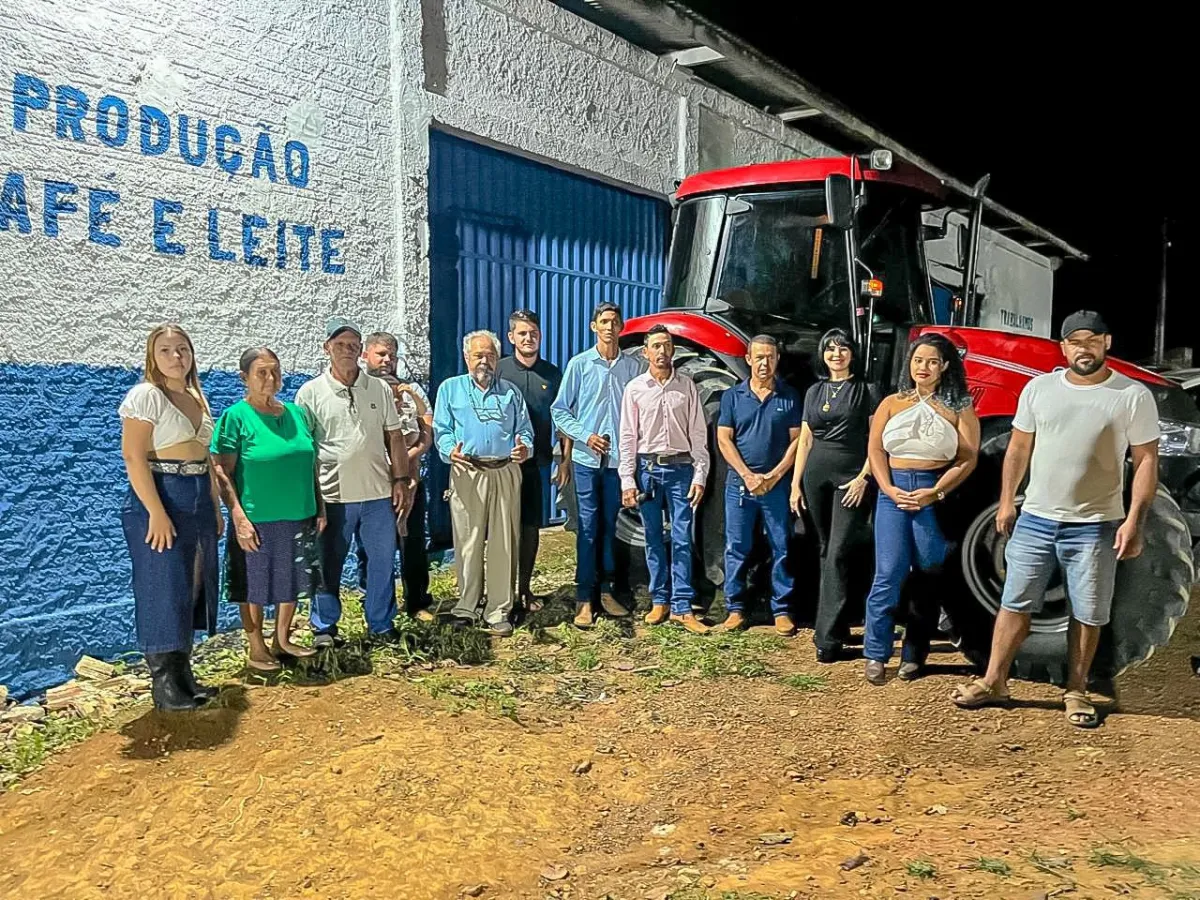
924,443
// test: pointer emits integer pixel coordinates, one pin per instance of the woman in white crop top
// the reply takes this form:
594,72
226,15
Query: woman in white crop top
171,516
924,442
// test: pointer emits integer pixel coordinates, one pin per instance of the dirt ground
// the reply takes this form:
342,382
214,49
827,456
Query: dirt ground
576,769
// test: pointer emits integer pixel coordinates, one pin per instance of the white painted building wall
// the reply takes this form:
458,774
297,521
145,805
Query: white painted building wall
347,79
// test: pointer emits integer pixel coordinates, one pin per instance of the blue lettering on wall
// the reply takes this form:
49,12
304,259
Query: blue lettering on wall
70,106
214,240
112,118
229,161
98,217
104,127
264,157
55,205
197,158
152,118
280,244
304,232
28,93
251,241
164,227
295,163
329,252
13,205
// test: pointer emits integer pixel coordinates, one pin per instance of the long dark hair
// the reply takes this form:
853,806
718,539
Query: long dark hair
952,389
840,338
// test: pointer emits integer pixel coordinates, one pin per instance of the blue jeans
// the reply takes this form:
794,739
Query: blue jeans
903,541
668,485
1084,551
373,522
598,498
743,512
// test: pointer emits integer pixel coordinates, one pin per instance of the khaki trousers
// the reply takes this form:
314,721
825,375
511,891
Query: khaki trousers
485,508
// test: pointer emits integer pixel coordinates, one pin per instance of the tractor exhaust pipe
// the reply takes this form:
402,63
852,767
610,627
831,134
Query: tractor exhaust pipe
970,313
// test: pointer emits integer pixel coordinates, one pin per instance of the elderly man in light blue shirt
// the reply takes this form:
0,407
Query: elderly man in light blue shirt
588,410
481,428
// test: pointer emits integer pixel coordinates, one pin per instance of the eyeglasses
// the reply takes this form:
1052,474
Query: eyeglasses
483,411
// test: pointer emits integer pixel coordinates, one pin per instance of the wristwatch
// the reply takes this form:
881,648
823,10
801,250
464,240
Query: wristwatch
941,495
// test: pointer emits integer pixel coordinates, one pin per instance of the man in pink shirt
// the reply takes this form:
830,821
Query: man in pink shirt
664,459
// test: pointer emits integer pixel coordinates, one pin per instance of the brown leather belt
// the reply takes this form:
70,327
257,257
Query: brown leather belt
488,462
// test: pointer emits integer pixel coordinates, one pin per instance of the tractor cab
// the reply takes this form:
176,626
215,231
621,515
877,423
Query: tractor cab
787,261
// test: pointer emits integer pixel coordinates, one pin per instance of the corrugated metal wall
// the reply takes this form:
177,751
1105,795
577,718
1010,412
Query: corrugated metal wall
507,233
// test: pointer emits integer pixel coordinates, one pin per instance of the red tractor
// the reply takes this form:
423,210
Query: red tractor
794,248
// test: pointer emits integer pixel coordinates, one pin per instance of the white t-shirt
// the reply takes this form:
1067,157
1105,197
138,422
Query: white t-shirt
1081,433
351,450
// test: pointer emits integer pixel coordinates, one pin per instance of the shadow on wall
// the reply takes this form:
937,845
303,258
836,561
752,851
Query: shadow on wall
65,586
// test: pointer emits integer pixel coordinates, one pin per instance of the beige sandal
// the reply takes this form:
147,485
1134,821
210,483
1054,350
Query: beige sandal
1079,709
979,694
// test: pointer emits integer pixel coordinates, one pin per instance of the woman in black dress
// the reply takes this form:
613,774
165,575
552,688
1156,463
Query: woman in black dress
830,478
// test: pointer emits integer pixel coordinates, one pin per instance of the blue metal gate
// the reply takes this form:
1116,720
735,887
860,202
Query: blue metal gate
508,233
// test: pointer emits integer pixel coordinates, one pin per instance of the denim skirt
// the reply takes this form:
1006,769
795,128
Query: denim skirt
175,591
284,569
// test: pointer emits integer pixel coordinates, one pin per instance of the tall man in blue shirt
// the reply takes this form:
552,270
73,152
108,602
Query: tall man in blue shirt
481,428
588,411
757,430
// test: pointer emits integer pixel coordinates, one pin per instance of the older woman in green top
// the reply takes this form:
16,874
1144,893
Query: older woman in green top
265,461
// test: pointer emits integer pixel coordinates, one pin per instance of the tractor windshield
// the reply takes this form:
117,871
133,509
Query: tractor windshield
777,268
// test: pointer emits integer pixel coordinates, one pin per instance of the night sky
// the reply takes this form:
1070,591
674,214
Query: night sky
1082,131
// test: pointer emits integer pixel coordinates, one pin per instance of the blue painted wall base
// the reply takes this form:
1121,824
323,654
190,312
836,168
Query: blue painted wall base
65,583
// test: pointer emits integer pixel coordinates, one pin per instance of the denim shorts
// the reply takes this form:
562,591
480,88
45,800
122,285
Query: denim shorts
1083,550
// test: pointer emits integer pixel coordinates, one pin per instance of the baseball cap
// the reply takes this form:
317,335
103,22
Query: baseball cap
336,325
1084,320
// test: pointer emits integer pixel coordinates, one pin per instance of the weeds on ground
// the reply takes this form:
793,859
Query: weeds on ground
1104,857
993,866
490,694
682,655
32,743
801,682
587,659
921,868
698,893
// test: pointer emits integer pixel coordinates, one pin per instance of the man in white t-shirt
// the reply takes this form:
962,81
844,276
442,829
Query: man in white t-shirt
362,464
1071,431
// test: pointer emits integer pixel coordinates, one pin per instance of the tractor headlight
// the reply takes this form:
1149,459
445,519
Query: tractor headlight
1178,439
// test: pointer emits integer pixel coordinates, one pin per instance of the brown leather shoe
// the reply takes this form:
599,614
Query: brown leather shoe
785,626
735,621
612,606
658,614
583,615
691,623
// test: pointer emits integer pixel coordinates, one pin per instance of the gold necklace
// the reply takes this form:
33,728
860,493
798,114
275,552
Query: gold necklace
831,393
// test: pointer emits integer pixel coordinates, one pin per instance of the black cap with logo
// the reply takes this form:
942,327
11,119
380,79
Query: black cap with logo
1083,320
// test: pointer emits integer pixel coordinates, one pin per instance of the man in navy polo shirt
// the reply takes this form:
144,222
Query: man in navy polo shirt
757,431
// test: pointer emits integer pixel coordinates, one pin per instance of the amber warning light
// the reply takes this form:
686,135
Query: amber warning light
872,287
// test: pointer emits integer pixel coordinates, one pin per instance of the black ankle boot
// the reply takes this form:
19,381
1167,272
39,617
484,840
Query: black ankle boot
167,685
201,692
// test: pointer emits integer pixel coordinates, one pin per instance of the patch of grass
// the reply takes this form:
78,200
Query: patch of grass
1104,858
695,892
801,682
1074,814
921,868
489,694
587,659
443,584
684,655
33,742
993,866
